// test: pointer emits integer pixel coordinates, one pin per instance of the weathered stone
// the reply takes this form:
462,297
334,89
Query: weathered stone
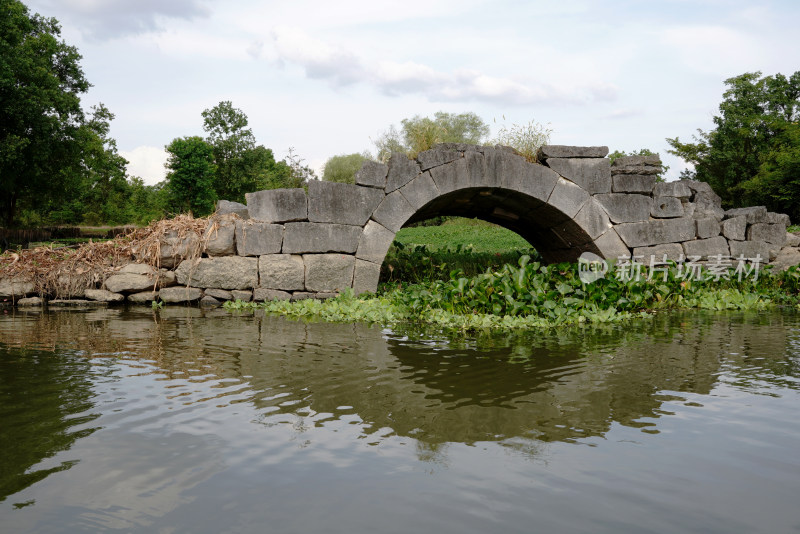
643,234
331,202
329,272
707,204
653,160
749,249
754,214
366,276
735,228
282,271
633,183
394,211
278,205
261,294
143,296
307,237
792,240
180,294
706,248
129,283
568,197
420,190
256,238
303,295
592,218
435,157
517,174
565,151
611,247
698,187
137,268
220,294
226,207
473,170
31,302
15,287
623,207
209,302
786,257
226,272
167,278
76,303
372,174
777,218
401,171
240,294
708,227
103,296
672,189
666,208
176,247
374,242
593,175
672,251
774,234
220,237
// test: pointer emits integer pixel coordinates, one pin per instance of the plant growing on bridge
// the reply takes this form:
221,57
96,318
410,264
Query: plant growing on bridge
526,138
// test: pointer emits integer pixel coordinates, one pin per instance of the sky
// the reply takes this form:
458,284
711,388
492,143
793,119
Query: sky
326,78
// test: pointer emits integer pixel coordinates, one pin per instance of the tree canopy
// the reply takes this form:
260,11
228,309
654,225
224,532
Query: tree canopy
418,134
751,155
190,181
343,168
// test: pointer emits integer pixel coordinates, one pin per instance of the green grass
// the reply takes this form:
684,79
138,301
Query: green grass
469,234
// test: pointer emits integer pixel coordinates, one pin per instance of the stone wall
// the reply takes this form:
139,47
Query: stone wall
293,244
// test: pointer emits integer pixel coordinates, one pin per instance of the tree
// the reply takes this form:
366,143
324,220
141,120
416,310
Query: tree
190,182
40,113
756,118
343,168
422,133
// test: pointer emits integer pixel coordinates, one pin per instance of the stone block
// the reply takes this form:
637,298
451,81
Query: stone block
735,228
303,295
329,272
786,257
166,278
643,234
16,287
394,210
611,247
366,277
420,190
306,237
698,187
282,271
625,207
517,174
749,249
331,202
31,302
180,294
241,294
374,243
372,174
176,247
672,251
707,204
76,303
593,175
401,171
777,218
706,248
103,295
226,207
209,302
653,160
774,234
754,214
592,218
568,197
226,272
257,238
219,294
707,227
261,294
792,240
129,283
672,189
666,208
435,157
633,183
143,296
138,268
565,151
220,237
278,205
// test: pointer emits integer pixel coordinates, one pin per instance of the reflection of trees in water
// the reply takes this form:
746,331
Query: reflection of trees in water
521,389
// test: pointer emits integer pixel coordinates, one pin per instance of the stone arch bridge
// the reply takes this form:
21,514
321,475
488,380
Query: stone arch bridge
336,236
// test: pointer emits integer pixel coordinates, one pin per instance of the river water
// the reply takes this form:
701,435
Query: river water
187,421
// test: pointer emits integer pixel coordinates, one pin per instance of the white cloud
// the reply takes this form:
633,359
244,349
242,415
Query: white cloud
146,162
